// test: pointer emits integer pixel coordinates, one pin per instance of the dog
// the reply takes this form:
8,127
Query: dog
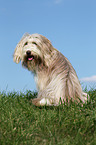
55,77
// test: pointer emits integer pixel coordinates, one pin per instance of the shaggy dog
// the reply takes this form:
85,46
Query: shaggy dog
55,77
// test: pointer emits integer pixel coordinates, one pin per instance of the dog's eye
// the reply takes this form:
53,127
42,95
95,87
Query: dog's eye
26,43
34,43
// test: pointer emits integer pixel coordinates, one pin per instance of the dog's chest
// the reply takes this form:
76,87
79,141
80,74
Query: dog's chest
41,81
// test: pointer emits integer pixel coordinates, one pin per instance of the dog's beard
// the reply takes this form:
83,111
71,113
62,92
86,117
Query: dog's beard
32,62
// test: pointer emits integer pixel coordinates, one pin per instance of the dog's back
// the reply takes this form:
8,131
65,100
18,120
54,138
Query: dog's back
64,81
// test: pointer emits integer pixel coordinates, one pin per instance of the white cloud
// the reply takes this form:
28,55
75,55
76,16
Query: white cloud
89,79
58,1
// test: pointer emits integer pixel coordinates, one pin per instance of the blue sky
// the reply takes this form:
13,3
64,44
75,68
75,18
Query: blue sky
69,24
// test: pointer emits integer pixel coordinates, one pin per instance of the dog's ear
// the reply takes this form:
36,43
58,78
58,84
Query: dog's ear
48,47
47,44
17,56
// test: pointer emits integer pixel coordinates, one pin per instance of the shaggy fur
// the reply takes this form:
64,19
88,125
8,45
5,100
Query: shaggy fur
55,77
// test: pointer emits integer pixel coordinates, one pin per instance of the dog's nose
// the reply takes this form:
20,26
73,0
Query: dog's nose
28,52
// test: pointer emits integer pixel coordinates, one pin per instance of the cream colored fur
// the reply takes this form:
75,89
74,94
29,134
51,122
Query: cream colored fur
55,77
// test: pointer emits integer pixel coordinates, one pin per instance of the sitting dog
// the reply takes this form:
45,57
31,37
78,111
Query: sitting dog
55,77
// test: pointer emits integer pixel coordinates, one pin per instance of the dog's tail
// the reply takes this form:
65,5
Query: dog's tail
74,90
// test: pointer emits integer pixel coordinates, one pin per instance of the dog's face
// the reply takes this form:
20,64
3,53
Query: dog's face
33,50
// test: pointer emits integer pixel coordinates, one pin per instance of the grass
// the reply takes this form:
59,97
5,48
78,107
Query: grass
21,123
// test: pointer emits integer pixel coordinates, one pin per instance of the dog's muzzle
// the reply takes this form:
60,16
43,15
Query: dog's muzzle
30,57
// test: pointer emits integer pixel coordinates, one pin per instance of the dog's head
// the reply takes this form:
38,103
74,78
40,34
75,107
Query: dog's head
33,50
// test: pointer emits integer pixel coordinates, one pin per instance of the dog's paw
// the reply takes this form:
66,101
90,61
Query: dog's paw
36,102
16,58
42,102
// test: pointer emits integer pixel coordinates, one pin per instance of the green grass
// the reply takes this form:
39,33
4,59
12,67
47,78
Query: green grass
21,123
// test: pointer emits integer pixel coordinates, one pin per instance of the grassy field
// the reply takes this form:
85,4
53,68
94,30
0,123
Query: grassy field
21,123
